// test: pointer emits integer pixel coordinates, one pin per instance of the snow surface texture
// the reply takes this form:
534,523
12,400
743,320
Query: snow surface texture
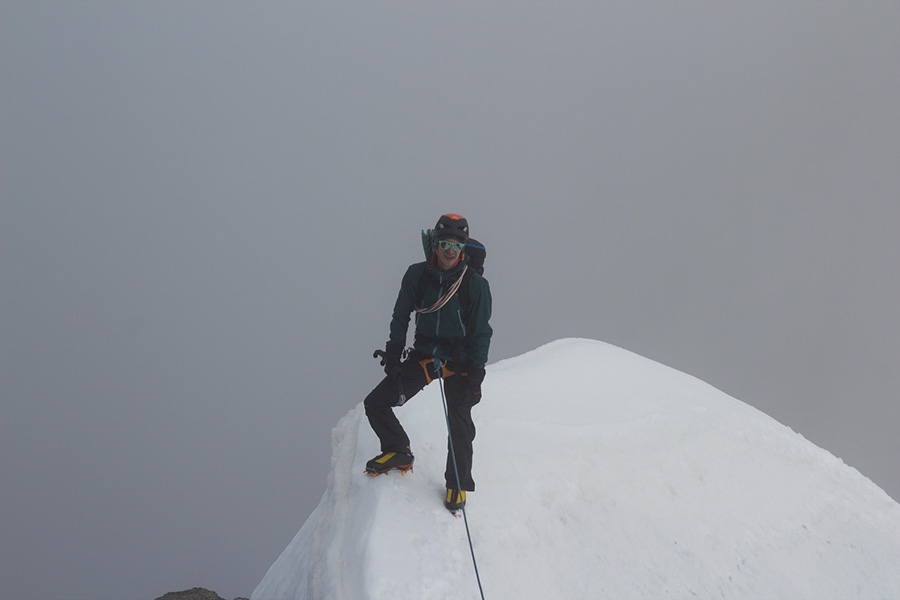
600,474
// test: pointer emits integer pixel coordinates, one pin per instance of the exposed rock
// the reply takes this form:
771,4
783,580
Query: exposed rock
196,593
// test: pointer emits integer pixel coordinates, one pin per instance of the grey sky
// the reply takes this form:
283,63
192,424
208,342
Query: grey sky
206,209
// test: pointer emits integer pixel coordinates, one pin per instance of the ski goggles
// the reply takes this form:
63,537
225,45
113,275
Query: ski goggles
445,245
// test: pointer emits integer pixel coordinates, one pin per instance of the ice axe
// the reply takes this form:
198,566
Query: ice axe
402,395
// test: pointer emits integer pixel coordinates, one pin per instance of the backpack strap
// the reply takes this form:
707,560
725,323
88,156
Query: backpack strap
464,301
420,287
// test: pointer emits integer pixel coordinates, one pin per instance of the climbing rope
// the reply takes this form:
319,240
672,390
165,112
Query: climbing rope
456,472
445,298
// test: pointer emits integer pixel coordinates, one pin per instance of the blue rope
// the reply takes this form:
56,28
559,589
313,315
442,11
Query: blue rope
456,472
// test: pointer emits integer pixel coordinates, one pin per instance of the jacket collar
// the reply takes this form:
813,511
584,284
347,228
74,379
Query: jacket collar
450,274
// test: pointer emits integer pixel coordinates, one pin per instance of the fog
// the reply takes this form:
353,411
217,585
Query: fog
206,209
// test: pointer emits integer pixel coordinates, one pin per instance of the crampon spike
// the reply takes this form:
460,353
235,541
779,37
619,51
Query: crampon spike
377,473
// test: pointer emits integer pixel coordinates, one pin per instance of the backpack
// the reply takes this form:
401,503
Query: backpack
476,252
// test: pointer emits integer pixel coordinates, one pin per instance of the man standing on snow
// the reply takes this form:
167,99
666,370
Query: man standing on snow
452,337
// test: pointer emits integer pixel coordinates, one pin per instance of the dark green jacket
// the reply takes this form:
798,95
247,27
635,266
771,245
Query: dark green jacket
452,333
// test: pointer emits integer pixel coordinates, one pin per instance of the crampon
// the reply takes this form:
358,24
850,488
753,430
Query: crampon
377,473
390,461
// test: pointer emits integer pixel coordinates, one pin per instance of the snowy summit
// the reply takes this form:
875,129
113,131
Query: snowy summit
600,474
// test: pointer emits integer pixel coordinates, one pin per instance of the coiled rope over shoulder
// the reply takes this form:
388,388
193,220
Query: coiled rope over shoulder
446,297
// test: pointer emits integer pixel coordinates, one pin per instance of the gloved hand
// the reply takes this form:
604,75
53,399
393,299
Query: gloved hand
390,358
472,391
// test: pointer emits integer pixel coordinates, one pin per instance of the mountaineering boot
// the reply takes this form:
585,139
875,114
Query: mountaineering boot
388,461
455,499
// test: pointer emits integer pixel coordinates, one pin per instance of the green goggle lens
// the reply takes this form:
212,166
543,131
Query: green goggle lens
445,245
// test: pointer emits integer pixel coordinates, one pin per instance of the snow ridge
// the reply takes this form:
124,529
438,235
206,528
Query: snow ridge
600,474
